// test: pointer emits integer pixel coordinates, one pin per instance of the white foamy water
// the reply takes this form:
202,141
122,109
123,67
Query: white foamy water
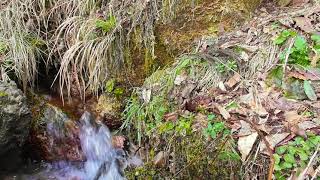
101,158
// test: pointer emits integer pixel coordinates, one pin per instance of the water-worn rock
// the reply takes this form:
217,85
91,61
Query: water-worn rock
15,119
55,135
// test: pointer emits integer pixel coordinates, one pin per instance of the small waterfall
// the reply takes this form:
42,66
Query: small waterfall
103,162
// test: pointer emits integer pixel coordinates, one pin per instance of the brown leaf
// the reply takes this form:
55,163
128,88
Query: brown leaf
233,80
159,159
245,129
304,24
312,74
235,126
297,75
221,86
171,116
292,117
245,144
273,140
299,2
224,113
307,125
297,131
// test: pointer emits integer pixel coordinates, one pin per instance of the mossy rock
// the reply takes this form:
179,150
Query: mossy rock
15,121
108,109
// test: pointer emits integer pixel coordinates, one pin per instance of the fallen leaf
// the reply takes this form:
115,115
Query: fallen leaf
224,113
171,116
273,140
299,2
245,129
308,89
146,95
245,144
305,125
298,131
221,86
233,80
159,159
292,117
304,24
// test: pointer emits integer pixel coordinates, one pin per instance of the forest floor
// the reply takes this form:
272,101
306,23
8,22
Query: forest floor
244,104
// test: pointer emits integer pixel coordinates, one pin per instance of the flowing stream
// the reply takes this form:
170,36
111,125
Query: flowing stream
103,162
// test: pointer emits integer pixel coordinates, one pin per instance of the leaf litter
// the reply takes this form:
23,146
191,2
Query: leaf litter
260,111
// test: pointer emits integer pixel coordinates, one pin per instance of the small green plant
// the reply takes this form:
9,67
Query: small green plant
181,127
231,65
3,94
3,47
296,56
214,128
294,156
107,25
118,92
110,85
284,36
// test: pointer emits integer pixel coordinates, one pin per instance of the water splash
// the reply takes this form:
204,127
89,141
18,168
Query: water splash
102,160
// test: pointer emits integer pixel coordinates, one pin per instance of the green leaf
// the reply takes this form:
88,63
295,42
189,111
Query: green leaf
211,117
308,89
303,156
300,43
314,140
280,40
286,165
276,158
232,105
106,25
277,167
118,91
289,158
298,140
316,38
284,36
292,150
281,150
110,85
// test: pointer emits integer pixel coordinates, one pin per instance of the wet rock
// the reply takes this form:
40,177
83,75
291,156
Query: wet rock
15,119
55,135
109,110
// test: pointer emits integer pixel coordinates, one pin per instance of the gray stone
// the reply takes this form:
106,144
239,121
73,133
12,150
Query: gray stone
15,117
